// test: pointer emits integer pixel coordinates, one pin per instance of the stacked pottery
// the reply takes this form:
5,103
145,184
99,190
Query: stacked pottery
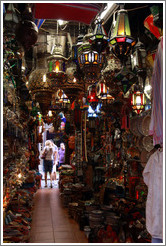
72,208
96,218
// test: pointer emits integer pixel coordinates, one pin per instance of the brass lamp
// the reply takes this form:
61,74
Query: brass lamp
41,86
57,66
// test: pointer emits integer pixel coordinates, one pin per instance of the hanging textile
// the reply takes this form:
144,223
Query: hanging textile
153,178
156,124
81,12
39,22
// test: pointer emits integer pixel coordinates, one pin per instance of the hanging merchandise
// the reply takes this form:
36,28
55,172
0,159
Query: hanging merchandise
99,40
71,70
102,90
148,23
108,73
41,86
92,96
156,124
125,79
10,20
78,153
72,90
77,118
90,61
125,123
27,31
138,101
138,60
57,64
153,178
121,40
157,12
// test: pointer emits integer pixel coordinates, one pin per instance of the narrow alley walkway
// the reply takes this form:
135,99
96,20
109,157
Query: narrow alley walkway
51,222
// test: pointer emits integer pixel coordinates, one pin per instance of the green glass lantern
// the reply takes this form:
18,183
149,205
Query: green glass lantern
121,40
57,66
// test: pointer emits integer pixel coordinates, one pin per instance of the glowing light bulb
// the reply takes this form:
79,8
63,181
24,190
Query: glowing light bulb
148,87
50,113
19,175
74,80
44,78
138,100
60,22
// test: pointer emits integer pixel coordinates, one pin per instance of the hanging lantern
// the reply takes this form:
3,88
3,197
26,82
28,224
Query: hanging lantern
92,97
102,90
125,79
41,86
72,90
57,66
138,101
10,20
63,98
99,40
74,54
138,59
71,71
121,40
90,61
27,31
157,12
148,23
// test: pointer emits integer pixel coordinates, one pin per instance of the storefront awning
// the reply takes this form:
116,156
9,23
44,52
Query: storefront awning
81,12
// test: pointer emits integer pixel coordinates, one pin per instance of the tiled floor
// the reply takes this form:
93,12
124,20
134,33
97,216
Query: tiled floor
50,222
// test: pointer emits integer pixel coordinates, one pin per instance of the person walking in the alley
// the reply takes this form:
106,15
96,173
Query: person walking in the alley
55,162
48,152
61,155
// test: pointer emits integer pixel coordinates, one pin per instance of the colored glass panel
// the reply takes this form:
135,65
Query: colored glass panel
116,27
57,64
133,43
96,57
86,57
127,26
99,36
121,27
113,41
50,66
120,39
129,40
90,57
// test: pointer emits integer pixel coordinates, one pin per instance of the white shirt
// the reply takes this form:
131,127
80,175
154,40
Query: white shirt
55,150
153,178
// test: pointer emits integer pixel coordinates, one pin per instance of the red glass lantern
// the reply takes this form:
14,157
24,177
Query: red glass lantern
92,97
138,101
102,90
